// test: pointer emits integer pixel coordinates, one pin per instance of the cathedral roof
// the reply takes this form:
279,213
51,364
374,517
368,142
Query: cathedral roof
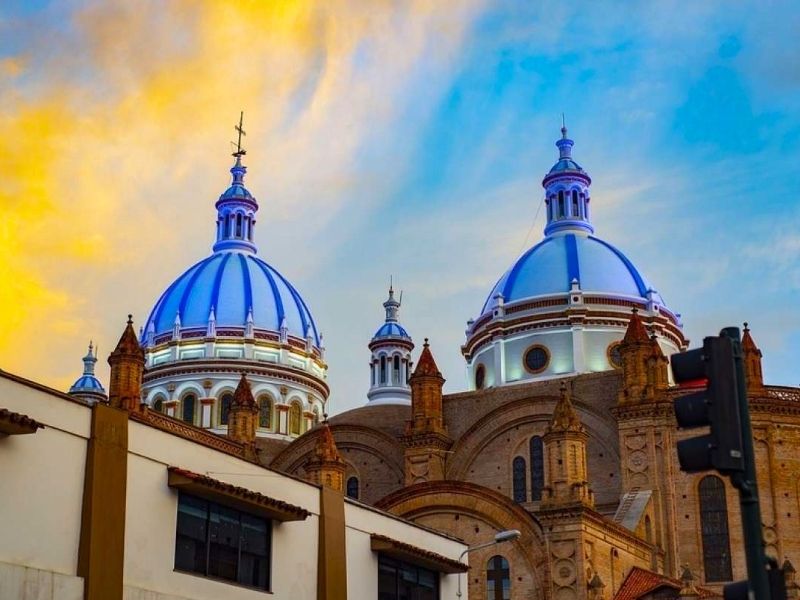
232,283
232,288
551,266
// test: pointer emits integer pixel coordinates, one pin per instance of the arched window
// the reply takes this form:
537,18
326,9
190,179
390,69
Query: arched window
187,407
648,529
383,369
295,418
498,579
372,372
561,204
396,370
225,407
158,405
265,412
480,377
519,479
714,529
352,488
239,225
537,468
575,211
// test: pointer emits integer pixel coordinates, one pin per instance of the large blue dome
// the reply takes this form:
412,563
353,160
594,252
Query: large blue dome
232,283
552,264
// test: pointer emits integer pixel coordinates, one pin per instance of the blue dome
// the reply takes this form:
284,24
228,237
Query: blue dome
566,164
391,330
551,265
87,383
232,282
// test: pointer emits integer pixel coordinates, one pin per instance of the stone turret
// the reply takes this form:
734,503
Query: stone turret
688,589
752,363
644,366
243,416
426,440
127,367
565,456
326,466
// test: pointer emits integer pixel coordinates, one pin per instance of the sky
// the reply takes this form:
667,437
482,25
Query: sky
392,138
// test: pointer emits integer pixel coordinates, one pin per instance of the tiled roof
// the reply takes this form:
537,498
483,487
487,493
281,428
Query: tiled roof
640,582
213,489
418,556
12,423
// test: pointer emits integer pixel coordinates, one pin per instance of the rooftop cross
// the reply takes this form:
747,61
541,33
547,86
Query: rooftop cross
239,150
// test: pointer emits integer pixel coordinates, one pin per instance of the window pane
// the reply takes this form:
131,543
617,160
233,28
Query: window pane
223,553
387,580
537,468
190,540
714,529
519,483
254,563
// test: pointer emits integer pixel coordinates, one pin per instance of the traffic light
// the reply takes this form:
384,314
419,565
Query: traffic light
716,406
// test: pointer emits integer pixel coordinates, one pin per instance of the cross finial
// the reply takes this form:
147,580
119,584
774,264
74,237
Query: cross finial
563,126
239,150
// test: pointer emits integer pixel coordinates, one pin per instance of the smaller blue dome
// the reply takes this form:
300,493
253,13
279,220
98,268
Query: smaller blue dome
566,164
87,383
237,191
391,330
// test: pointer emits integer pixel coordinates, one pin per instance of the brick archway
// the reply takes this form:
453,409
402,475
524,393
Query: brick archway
475,513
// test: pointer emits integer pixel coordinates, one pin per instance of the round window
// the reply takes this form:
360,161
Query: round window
536,359
614,355
480,377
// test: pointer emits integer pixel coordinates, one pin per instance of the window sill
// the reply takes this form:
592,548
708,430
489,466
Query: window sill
225,581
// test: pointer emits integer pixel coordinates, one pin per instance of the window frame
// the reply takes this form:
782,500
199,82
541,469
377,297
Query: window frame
398,565
530,349
242,514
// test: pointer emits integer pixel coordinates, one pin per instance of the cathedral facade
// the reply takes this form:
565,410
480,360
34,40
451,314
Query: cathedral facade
565,430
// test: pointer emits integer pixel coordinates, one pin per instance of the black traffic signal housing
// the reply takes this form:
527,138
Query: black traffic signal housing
716,406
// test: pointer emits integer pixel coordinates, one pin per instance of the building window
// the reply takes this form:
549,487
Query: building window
520,484
575,211
561,204
537,468
383,369
352,488
187,407
714,529
295,418
615,355
225,408
480,377
158,405
264,412
220,542
239,225
399,580
536,359
396,370
498,579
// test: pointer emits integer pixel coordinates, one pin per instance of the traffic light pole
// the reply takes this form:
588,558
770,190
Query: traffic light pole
747,484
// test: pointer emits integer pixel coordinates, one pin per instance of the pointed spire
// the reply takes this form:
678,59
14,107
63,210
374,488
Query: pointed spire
89,361
243,395
249,325
392,306
127,366
688,590
636,332
567,191
564,416
150,336
326,466
243,417
752,362
176,326
426,367
284,331
211,329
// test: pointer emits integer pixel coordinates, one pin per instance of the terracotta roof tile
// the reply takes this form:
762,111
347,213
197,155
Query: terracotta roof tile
419,556
12,423
640,582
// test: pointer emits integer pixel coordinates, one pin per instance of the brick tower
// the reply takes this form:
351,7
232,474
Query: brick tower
243,416
127,366
426,441
326,466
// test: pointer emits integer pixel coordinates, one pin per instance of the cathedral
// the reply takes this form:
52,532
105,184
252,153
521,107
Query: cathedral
564,429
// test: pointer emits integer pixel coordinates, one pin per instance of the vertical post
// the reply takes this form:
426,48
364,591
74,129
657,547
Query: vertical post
747,484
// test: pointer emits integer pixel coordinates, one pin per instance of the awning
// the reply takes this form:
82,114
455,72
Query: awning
12,423
233,496
417,556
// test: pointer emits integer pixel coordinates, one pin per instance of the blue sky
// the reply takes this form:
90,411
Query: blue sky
411,140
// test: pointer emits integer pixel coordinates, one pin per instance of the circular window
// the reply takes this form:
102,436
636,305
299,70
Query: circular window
480,377
614,355
536,359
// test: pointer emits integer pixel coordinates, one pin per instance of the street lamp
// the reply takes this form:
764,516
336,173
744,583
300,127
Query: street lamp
508,535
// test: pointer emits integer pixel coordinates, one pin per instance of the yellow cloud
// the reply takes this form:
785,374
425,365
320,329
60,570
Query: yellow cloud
112,151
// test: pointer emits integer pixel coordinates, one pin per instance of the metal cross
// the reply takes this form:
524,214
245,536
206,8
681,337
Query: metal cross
239,150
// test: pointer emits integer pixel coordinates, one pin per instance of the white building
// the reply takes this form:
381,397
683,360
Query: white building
104,503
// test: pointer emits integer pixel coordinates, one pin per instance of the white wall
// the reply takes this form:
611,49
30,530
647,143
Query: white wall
362,562
42,481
